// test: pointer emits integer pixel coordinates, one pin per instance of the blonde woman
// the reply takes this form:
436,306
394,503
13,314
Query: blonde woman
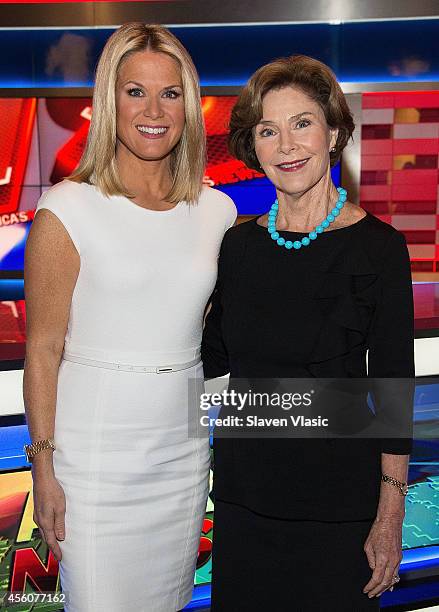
120,262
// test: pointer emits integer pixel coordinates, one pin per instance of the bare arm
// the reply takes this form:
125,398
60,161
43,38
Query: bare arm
392,503
383,546
51,269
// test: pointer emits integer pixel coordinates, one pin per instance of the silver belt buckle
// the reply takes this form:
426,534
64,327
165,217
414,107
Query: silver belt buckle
163,370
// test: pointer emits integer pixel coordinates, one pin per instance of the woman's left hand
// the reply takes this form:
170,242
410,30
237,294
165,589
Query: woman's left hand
383,548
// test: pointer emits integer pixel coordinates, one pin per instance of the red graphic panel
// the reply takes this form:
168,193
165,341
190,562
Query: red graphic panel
12,330
222,168
17,118
63,125
73,115
400,168
400,152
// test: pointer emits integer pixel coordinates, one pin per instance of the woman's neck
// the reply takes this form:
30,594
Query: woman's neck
302,212
147,180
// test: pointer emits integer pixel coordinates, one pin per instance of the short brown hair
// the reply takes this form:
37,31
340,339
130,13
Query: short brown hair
311,76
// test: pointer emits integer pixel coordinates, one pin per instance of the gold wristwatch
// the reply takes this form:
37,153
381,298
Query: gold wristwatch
401,486
32,449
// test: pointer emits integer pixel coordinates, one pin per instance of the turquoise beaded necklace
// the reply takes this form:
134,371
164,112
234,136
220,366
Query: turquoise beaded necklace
306,240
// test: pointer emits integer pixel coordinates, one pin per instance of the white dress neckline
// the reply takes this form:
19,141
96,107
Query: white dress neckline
133,204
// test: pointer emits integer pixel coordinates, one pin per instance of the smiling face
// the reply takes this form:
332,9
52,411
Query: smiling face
293,140
149,105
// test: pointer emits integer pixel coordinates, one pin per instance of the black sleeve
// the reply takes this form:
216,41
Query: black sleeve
391,349
213,350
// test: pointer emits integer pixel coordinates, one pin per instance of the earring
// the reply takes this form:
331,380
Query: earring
333,150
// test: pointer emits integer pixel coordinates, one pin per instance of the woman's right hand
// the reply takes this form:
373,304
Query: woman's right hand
49,510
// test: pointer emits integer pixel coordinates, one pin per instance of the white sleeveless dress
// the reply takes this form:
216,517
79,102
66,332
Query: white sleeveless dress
135,483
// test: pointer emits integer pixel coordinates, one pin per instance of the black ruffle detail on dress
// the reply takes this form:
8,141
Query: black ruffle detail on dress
345,294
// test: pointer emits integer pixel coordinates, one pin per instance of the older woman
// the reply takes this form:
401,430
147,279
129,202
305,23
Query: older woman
305,291
120,262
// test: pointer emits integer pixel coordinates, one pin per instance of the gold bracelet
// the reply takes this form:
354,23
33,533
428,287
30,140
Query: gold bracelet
401,486
33,449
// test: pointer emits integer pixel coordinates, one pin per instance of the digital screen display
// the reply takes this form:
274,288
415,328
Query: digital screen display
27,565
400,168
45,141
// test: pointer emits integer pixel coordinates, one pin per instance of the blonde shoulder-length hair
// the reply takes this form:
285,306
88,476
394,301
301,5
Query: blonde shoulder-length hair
188,158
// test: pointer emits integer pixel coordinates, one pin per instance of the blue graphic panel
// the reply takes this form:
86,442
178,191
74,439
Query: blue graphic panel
225,55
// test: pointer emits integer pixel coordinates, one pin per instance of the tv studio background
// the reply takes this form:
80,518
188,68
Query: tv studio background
386,57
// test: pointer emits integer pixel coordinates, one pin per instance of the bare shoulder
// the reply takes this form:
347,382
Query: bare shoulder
50,237
58,211
354,211
50,241
350,214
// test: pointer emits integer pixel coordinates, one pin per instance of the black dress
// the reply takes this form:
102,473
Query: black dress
308,313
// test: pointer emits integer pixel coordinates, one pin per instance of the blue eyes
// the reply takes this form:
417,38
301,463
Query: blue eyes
303,123
266,132
170,94
131,92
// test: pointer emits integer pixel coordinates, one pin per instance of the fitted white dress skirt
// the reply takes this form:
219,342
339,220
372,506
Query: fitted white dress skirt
136,484
136,487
